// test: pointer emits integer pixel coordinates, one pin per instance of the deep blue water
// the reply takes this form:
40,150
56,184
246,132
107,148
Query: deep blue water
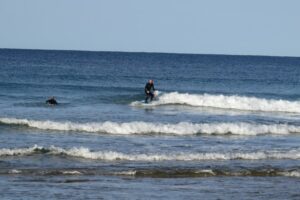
221,127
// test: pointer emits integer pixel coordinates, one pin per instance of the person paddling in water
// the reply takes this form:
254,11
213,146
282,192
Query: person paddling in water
149,91
51,101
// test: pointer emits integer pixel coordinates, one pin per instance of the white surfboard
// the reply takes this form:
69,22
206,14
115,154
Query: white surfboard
142,103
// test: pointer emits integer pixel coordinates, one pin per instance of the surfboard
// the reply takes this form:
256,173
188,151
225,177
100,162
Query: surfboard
143,104
150,103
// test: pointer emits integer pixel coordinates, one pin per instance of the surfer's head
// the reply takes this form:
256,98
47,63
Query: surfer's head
150,81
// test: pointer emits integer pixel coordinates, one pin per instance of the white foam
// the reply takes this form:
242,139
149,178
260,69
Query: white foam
82,152
126,173
291,174
14,171
18,152
226,102
71,172
205,171
113,156
182,128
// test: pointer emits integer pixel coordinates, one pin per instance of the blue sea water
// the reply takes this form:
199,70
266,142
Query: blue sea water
221,127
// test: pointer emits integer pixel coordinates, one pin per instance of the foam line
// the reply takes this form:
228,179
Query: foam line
138,127
82,152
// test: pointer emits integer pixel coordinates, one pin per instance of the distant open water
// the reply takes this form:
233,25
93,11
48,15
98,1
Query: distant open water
222,127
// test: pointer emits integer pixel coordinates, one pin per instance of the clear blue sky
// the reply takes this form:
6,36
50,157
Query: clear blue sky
252,27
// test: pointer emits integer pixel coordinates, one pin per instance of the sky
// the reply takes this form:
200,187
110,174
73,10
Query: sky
239,27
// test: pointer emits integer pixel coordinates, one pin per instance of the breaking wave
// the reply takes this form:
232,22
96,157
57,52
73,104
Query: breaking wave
225,102
82,152
182,128
294,173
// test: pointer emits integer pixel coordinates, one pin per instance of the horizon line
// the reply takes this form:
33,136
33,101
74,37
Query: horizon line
149,52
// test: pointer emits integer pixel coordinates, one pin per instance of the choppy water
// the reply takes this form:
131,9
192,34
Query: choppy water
222,127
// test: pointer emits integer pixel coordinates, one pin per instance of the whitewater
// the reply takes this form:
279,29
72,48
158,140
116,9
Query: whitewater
224,102
137,127
86,153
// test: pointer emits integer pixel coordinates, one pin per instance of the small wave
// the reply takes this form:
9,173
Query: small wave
126,173
19,151
14,171
226,102
205,171
73,172
182,128
161,172
82,152
294,173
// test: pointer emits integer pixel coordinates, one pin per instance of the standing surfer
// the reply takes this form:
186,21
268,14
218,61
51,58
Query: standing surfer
149,90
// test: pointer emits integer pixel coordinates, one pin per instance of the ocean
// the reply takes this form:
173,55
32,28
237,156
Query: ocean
221,127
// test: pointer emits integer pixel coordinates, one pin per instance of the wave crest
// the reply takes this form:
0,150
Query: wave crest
138,127
226,102
82,152
161,172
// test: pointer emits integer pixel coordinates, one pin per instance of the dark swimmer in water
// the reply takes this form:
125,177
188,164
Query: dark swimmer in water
51,101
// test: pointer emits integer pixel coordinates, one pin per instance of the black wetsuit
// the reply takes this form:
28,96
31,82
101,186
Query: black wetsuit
51,101
149,89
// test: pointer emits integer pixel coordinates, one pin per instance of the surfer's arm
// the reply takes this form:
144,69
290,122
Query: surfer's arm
147,90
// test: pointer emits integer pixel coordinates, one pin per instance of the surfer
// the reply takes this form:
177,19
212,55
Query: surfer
149,90
51,101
